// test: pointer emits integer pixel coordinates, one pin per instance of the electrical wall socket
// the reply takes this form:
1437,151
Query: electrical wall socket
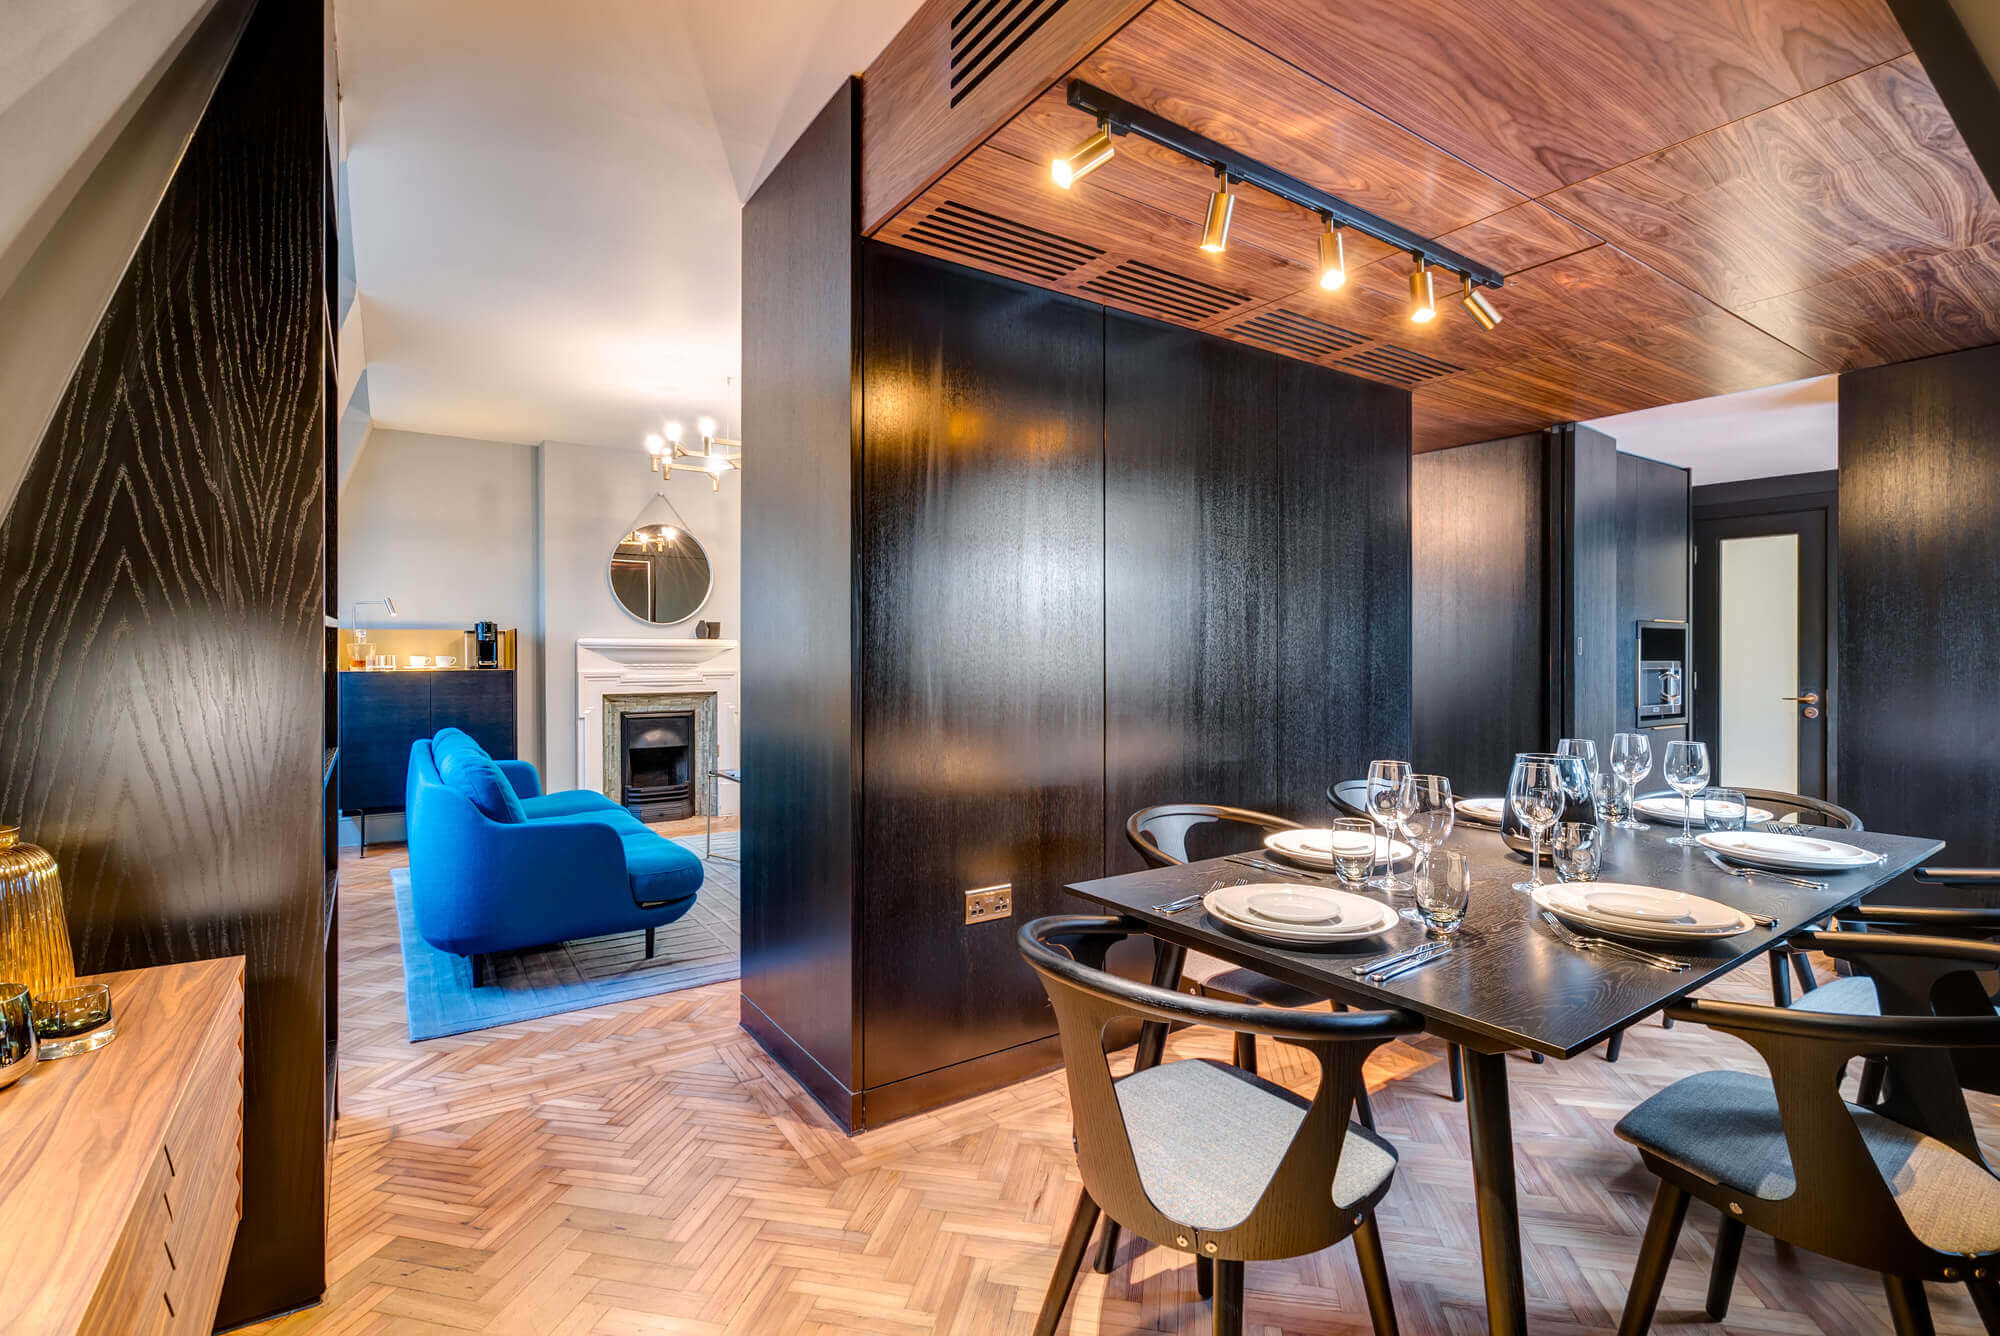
989,902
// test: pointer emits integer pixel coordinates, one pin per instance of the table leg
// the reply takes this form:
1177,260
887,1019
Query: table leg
1492,1121
708,825
1167,962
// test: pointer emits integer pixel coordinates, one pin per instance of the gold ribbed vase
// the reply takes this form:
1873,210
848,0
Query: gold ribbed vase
34,934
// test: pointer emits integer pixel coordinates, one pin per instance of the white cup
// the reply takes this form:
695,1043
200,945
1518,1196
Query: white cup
420,661
445,661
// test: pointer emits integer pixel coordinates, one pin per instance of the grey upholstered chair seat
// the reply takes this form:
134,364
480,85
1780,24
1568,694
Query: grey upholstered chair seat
1724,1127
1850,995
1219,978
1207,1138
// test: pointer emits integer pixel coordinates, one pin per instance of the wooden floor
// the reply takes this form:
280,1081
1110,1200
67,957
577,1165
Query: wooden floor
645,1168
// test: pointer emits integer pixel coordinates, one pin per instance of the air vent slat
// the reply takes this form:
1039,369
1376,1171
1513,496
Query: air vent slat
1179,298
1291,332
984,35
1399,364
1001,242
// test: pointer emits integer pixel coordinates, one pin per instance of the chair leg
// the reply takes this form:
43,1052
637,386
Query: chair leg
1204,1277
1666,1022
1363,1109
1456,1057
1908,1308
1067,1263
1613,1045
1536,1058
1246,1052
649,942
1986,1300
1873,1070
1229,1299
1375,1276
1781,980
1803,968
1107,1249
1656,1254
1722,1276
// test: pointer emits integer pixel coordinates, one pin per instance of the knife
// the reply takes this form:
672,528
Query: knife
1430,957
1393,958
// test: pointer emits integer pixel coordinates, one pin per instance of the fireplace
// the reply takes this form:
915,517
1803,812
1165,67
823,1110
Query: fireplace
656,764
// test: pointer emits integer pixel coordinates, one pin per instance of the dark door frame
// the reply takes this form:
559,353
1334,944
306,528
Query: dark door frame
1758,498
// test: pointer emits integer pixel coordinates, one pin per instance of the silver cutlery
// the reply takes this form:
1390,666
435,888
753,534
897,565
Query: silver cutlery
1176,906
1754,872
1583,943
1246,860
1431,955
1394,958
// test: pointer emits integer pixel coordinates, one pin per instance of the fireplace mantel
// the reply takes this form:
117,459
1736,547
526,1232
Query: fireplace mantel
623,665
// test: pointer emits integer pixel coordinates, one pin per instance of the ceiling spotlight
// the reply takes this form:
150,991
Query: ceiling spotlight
1423,298
1215,231
1332,257
1482,310
1084,159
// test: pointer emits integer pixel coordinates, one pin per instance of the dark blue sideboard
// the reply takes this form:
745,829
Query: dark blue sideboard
382,713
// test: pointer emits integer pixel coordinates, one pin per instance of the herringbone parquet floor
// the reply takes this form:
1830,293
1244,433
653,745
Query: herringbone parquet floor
645,1168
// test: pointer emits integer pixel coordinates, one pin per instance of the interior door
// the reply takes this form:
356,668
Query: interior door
1762,694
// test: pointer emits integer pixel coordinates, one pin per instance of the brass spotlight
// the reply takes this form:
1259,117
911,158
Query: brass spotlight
1084,159
1482,310
1423,298
1215,231
1332,257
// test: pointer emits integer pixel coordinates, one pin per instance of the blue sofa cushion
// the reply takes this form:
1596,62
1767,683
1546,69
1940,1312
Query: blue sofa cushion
466,768
574,802
660,870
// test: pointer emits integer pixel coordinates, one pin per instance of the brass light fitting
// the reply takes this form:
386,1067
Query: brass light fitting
1215,231
1332,257
1084,159
1423,297
1482,310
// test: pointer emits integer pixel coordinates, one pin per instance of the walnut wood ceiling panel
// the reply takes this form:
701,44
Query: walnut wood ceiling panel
1688,197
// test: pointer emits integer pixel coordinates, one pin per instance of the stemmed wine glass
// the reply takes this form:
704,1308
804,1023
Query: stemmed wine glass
1687,770
1631,761
1391,799
1584,748
1429,825
1536,794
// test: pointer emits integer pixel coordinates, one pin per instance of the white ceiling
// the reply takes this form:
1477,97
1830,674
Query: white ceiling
546,198
1763,433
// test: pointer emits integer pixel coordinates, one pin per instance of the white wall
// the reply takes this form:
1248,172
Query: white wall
590,496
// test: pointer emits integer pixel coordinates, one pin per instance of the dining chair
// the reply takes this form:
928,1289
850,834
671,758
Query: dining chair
1203,1157
1798,809
1900,1189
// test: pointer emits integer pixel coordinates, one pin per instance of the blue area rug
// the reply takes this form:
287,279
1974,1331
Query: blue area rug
703,946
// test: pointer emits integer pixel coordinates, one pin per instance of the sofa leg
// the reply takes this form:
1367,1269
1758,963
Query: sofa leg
649,942
480,970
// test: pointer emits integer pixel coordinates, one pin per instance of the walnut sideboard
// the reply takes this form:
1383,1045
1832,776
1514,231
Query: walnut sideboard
121,1170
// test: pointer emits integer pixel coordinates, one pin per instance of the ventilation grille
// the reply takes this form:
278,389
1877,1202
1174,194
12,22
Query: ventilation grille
1167,295
1002,243
1398,364
985,32
1290,332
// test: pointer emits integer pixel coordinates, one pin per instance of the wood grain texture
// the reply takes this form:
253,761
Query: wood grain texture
1591,523
1917,550
1653,547
801,359
161,631
1479,633
1932,305
983,617
92,1143
381,714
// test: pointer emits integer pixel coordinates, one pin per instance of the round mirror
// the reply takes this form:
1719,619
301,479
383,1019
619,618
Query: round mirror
659,571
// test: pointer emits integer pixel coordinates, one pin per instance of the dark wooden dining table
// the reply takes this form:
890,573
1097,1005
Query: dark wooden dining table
1510,984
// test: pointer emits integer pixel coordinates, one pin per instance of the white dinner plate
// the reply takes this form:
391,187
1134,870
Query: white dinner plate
1314,848
1483,811
1668,806
1294,906
1359,916
1787,853
1706,919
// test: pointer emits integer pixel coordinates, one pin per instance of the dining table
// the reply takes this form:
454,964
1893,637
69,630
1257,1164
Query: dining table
1510,984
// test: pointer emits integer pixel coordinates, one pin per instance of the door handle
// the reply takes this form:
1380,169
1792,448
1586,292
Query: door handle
1810,698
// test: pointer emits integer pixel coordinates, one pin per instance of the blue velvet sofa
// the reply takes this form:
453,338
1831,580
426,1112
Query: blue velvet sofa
496,865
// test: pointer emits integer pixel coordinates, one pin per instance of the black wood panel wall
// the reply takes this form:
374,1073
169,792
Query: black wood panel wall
1919,601
1588,645
1654,543
161,623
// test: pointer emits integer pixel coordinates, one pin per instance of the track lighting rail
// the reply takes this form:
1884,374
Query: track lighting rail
1122,117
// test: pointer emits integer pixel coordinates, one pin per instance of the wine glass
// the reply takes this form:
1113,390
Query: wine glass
1584,748
1536,794
1631,761
1391,799
1429,825
1686,770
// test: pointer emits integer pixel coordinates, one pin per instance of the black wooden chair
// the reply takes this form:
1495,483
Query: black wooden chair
1797,811
1900,1189
1206,1158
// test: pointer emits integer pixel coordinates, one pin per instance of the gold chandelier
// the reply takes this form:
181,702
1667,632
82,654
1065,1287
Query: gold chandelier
717,455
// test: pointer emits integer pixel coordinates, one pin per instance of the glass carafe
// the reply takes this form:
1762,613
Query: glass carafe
34,933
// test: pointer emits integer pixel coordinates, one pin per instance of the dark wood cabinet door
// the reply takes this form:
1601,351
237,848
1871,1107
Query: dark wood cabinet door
982,689
479,701
381,714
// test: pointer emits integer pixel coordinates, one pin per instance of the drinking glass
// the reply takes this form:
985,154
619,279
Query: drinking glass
1604,789
1631,761
1353,841
1391,799
1686,770
1536,794
1579,851
1442,897
1724,809
1584,748
1429,823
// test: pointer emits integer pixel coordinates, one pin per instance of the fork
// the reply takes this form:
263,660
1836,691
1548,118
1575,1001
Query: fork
1748,872
1176,906
1245,860
1583,943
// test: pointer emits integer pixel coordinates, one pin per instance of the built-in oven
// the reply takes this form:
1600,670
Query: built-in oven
1660,685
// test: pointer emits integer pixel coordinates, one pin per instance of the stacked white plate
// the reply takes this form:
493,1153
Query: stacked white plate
1785,853
1616,909
1298,915
1481,811
1669,806
1314,848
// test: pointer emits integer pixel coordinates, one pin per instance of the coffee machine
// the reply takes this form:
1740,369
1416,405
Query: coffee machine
485,644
